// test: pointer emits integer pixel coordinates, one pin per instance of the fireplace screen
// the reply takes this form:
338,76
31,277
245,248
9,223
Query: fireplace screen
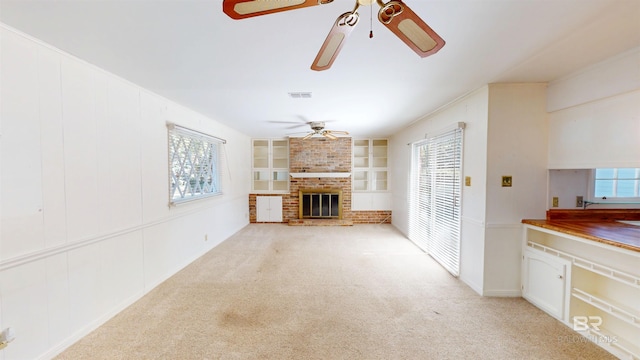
320,204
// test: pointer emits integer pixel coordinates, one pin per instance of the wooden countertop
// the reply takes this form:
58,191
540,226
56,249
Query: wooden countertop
610,232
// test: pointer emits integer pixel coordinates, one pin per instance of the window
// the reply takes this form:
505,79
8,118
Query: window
435,197
616,183
193,164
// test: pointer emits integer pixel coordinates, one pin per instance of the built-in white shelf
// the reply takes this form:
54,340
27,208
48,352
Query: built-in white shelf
609,306
604,337
603,284
321,175
610,273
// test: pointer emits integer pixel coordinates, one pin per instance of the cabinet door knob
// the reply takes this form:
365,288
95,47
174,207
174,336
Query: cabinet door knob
559,276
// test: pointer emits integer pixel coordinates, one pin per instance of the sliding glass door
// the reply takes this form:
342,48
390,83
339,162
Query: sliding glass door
435,197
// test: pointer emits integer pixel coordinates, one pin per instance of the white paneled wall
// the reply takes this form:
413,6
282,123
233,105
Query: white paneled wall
22,178
594,118
473,111
505,134
602,133
52,143
86,227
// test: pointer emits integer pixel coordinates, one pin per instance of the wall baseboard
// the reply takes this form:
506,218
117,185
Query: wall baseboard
86,330
474,287
502,293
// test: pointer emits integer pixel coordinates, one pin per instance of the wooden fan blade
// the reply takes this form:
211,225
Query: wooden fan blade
334,41
403,22
328,134
338,132
308,136
297,134
242,9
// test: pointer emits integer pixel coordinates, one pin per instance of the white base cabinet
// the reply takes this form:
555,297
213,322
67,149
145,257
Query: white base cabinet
269,208
599,293
545,280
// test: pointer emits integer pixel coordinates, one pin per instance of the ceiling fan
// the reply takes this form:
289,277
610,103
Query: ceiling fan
395,15
317,128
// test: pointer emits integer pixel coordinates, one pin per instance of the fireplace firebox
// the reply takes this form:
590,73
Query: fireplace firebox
320,204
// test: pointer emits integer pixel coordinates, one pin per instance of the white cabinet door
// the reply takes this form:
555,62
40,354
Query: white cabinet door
269,208
545,280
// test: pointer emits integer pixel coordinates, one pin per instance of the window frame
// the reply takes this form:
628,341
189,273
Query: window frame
212,150
610,199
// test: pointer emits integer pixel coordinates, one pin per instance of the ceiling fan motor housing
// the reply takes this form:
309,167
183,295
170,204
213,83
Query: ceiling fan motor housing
317,125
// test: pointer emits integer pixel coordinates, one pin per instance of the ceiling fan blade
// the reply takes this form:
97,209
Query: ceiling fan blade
292,123
338,132
334,41
308,135
295,126
328,134
242,9
406,24
297,134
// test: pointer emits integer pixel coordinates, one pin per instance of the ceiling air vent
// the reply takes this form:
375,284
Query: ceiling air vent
300,95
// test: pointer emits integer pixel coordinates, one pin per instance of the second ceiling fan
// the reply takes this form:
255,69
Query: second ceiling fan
395,15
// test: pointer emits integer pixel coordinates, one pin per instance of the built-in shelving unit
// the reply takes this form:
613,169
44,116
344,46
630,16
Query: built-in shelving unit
370,165
589,265
602,291
610,306
270,173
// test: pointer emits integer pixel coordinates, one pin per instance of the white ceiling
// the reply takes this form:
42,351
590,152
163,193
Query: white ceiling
239,72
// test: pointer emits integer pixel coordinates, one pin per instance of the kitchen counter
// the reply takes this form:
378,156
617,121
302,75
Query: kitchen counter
604,231
599,225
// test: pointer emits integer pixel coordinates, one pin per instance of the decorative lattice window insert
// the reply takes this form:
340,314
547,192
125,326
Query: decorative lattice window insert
194,163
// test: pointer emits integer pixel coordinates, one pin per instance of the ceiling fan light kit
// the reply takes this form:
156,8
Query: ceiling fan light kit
395,15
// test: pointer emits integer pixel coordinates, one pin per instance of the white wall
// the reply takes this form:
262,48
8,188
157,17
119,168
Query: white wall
614,76
566,184
86,228
594,116
505,135
594,121
516,147
473,111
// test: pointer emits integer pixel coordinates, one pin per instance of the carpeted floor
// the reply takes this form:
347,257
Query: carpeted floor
362,292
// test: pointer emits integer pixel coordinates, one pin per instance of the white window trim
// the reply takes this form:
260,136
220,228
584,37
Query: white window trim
612,200
215,164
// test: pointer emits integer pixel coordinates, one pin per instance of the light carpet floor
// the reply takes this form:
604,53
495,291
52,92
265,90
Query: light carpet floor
363,292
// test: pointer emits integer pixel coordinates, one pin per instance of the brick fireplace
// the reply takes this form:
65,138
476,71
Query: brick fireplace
320,204
317,165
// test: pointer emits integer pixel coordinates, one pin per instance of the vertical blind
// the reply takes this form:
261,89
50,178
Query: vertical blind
435,197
